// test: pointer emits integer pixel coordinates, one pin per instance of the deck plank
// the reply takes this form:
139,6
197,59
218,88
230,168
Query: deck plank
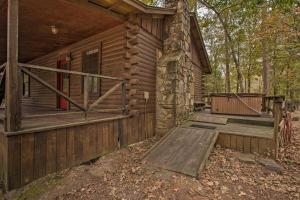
209,119
183,151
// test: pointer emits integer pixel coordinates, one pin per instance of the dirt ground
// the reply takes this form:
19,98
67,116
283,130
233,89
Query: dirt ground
123,175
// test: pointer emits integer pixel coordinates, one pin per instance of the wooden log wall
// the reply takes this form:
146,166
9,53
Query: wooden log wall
198,74
110,43
30,156
141,61
152,24
229,104
246,144
198,84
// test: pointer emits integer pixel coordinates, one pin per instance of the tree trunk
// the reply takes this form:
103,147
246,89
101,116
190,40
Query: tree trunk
275,86
266,67
265,62
227,63
240,84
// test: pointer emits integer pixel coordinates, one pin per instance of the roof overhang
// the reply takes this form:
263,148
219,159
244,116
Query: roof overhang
125,7
75,20
200,45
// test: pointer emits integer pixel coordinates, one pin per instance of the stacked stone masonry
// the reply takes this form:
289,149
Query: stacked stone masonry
175,80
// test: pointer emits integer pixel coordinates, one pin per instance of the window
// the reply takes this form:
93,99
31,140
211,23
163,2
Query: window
90,64
26,85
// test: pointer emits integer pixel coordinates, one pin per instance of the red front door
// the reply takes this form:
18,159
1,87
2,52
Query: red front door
63,82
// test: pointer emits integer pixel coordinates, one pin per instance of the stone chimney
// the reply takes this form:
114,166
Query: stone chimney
175,82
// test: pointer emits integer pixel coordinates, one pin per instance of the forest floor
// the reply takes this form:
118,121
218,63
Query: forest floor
123,175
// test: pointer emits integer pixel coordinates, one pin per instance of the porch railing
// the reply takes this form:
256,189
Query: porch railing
85,107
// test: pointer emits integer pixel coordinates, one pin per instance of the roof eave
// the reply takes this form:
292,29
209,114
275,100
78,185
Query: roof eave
149,9
207,62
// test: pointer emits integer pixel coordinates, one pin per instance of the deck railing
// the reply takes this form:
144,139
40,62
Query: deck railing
25,68
268,103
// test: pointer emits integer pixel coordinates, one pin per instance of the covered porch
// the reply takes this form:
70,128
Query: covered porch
60,109
37,90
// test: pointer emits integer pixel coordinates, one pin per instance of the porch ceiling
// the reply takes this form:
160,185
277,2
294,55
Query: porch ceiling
74,19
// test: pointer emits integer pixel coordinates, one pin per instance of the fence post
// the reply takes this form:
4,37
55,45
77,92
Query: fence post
277,111
264,103
13,73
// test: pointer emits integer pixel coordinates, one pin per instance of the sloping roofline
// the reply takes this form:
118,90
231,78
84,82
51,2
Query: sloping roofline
149,9
196,31
200,42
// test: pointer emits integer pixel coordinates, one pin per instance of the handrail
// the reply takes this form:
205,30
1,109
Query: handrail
86,107
67,71
3,65
103,97
41,81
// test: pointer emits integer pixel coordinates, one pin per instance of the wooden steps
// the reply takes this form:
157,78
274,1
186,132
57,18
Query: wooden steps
183,150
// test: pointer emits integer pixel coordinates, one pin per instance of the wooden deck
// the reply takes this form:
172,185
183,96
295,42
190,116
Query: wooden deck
236,125
241,133
184,150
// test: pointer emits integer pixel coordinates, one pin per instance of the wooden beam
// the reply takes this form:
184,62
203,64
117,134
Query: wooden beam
13,73
92,4
107,94
50,87
67,71
3,65
66,125
277,111
86,92
59,113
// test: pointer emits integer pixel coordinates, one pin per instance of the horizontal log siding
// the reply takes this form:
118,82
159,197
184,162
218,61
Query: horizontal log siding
146,71
112,61
35,155
198,82
198,85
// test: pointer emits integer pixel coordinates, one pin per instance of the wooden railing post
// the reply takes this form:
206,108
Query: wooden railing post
264,103
268,106
86,92
277,111
13,73
124,97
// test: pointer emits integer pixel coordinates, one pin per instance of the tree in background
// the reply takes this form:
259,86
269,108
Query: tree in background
260,38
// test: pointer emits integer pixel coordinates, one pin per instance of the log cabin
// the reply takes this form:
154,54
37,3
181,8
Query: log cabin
82,78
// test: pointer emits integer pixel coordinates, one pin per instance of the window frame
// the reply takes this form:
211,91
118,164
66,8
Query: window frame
23,85
99,65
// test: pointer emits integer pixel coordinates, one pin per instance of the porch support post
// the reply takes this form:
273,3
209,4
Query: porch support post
13,73
277,112
86,92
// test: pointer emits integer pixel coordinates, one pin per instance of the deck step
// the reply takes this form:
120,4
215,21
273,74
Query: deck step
209,119
184,150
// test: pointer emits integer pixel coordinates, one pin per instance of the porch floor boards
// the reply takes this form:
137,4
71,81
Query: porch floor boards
55,118
184,150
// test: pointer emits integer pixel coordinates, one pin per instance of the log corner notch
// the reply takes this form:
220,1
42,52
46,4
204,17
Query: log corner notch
131,69
13,73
